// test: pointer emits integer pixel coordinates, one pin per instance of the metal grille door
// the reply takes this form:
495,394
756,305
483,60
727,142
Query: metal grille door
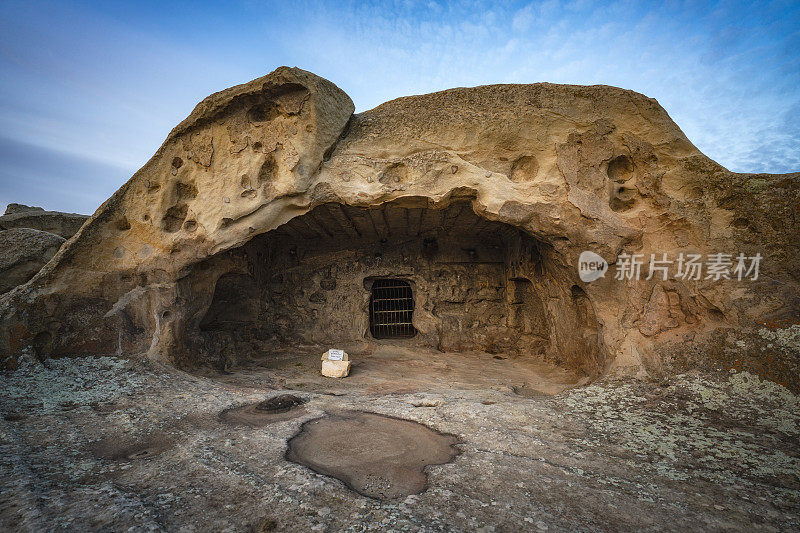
391,307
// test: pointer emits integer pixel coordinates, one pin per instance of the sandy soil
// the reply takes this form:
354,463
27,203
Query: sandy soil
112,444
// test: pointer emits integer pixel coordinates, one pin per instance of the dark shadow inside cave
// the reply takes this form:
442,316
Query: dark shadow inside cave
454,282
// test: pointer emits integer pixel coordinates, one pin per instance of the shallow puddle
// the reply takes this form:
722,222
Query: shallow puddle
375,455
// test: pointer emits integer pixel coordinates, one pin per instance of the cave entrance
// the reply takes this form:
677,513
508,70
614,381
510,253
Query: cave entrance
391,309
413,275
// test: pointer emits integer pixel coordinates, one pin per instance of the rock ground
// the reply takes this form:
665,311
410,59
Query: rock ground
109,443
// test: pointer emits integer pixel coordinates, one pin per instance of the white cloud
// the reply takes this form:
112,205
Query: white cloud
108,87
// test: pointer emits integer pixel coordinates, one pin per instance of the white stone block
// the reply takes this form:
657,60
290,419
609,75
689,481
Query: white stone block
336,369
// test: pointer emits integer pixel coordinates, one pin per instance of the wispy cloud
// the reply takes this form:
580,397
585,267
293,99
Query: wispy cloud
36,175
105,82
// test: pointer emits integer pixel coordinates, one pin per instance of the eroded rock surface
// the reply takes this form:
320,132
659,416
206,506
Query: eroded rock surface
103,443
276,409
276,178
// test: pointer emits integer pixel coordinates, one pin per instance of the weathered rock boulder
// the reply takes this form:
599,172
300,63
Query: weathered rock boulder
23,252
22,216
13,209
234,168
272,209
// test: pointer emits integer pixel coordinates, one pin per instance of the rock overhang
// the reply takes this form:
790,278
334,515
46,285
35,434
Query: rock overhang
578,168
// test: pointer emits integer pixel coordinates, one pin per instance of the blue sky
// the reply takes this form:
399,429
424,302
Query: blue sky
89,90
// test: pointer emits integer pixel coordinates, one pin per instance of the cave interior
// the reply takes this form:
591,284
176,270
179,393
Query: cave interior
412,274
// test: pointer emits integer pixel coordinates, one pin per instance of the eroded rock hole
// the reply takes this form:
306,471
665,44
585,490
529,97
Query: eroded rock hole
279,404
123,224
741,223
623,198
524,168
620,169
120,448
173,218
263,112
268,169
185,191
394,174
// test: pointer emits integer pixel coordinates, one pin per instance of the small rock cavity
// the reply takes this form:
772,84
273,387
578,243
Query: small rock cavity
119,449
275,409
377,456
279,404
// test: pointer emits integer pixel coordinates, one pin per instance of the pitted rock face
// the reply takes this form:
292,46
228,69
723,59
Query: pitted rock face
278,171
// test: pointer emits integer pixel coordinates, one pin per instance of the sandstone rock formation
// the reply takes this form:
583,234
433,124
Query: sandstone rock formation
23,252
22,216
272,210
29,238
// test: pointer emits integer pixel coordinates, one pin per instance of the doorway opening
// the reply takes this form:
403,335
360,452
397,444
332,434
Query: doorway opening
391,309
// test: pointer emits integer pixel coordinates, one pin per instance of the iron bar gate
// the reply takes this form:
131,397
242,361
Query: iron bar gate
391,306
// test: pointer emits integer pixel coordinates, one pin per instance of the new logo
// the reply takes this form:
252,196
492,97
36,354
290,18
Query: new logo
591,266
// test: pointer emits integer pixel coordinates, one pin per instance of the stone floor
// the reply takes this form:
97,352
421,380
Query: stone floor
392,369
113,444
